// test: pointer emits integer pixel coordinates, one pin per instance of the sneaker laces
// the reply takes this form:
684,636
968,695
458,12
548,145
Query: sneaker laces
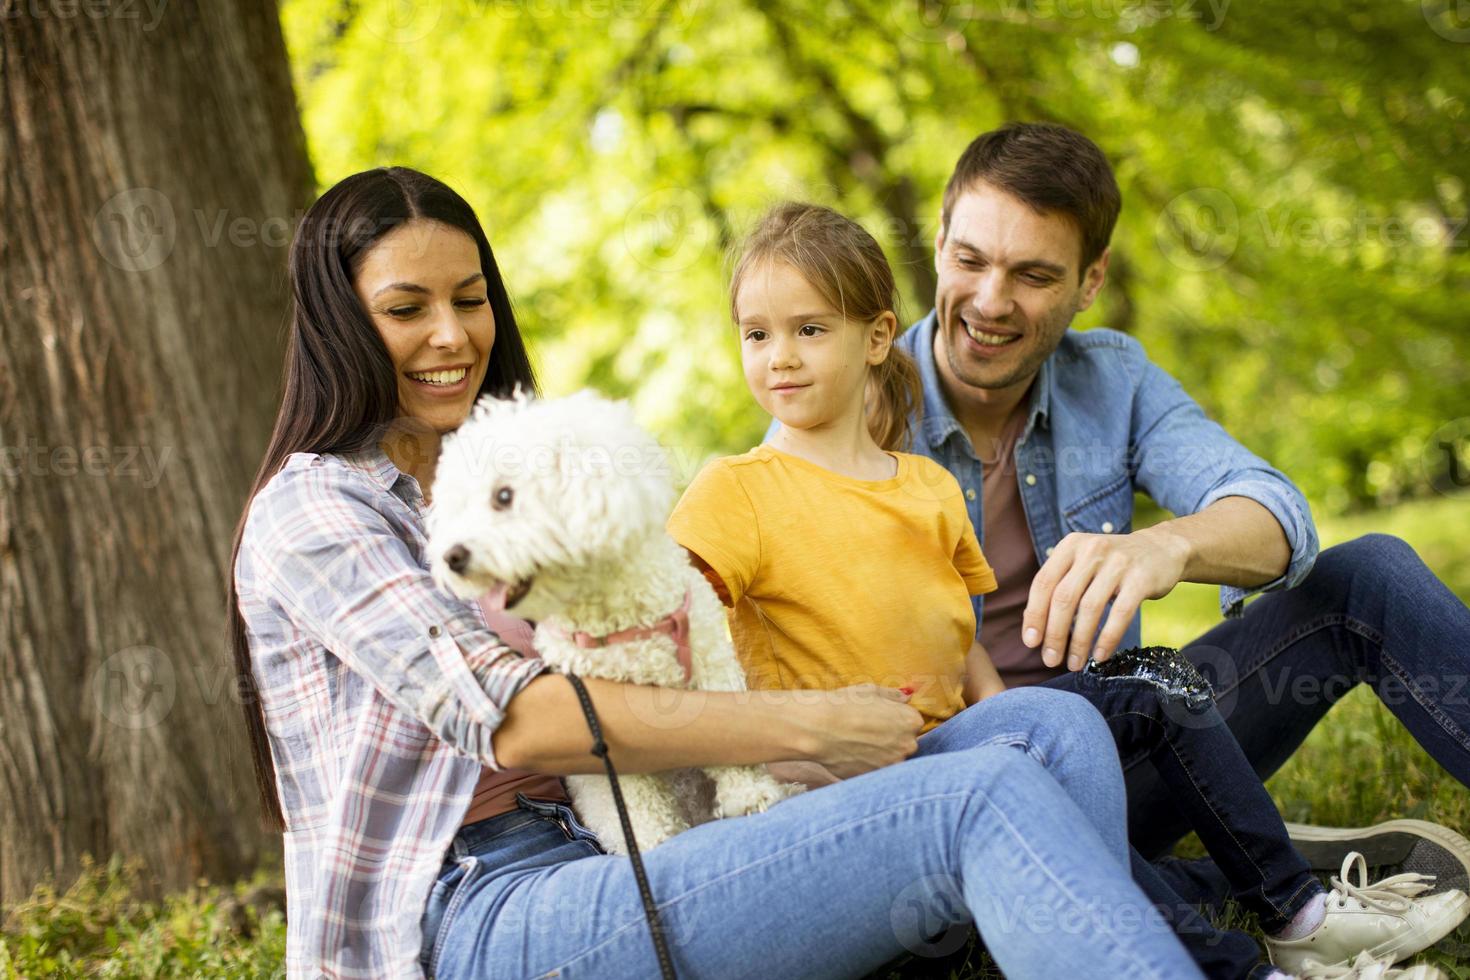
1394,895
1364,967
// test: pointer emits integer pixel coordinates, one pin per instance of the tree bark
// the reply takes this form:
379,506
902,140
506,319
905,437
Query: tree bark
152,166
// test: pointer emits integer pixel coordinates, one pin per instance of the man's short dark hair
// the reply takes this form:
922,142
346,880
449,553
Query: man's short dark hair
1051,168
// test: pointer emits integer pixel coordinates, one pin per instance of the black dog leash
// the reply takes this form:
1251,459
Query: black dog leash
599,749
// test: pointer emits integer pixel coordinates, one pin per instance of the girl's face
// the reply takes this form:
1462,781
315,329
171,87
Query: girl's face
422,286
804,363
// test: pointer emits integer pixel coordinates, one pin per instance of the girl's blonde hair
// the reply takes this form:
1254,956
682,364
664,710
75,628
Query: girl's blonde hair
847,267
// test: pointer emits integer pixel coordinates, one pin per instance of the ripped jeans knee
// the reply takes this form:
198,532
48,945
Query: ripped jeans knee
1168,670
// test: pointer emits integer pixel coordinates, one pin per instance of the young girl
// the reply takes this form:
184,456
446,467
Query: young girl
843,561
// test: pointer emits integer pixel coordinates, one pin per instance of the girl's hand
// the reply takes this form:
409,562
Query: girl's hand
863,727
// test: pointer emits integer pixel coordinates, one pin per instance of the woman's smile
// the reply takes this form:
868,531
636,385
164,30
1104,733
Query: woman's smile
446,382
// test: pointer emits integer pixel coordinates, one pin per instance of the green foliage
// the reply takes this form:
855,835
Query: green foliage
97,928
1293,244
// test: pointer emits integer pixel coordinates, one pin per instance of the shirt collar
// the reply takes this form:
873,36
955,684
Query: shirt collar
939,422
372,461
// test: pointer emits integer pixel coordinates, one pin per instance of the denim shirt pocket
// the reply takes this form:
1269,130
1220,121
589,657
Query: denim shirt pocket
1108,510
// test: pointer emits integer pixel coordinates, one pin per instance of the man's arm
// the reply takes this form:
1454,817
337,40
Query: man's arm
1235,541
1244,526
1187,462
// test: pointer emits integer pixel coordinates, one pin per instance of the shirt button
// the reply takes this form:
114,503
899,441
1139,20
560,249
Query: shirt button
970,493
433,631
1107,527
1049,551
1030,479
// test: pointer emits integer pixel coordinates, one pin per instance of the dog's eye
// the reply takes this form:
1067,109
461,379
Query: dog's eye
503,497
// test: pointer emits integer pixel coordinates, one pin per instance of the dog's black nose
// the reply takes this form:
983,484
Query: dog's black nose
457,558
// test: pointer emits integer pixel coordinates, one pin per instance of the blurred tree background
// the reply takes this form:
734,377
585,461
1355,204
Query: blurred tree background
1293,245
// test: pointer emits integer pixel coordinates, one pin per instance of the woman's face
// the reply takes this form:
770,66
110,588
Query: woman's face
423,288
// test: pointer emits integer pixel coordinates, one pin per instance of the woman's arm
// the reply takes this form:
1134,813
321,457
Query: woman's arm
850,731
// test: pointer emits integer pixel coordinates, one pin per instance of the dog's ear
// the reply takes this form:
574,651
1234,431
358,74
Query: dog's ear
615,473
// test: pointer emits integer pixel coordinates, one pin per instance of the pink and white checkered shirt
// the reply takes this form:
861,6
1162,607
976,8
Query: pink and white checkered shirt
381,692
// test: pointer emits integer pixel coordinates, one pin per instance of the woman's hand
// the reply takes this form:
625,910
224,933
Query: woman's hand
862,728
812,775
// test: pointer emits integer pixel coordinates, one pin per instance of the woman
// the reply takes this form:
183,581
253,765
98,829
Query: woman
410,753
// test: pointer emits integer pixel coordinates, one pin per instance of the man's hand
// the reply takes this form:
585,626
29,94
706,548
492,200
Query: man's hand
1083,574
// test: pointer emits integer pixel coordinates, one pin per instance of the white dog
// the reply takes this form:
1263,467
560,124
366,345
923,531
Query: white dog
556,508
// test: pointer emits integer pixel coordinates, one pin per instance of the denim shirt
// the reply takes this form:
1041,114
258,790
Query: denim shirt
1103,422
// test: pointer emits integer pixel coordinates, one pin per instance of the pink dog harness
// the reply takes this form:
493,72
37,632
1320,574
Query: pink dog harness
675,625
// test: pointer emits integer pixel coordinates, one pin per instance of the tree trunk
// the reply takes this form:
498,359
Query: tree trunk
152,166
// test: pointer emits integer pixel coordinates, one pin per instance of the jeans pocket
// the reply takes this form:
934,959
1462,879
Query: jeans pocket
565,818
445,899
579,830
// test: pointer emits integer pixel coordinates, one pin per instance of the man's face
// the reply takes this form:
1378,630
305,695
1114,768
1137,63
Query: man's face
1008,287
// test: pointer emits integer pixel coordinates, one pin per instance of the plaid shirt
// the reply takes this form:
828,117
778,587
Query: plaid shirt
381,692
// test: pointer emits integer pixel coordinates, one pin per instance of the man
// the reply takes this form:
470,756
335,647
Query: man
1050,432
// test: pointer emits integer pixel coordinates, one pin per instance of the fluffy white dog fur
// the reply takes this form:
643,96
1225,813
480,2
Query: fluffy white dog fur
561,506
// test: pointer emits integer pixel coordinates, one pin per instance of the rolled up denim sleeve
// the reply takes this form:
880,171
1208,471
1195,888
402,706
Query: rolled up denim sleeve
339,570
1185,461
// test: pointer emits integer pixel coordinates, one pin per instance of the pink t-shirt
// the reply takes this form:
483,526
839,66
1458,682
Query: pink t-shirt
1008,546
495,793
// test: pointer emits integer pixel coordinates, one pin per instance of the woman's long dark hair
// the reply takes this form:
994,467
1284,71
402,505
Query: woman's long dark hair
340,391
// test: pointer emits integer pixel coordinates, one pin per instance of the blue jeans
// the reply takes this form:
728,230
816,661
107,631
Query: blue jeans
1212,783
1369,612
1018,826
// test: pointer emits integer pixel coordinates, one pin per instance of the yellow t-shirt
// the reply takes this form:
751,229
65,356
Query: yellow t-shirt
835,580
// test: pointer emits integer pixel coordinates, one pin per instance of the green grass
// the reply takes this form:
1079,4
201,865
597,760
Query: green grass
1359,766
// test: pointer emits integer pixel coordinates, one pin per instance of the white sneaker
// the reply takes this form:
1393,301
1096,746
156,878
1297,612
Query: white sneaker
1387,919
1366,967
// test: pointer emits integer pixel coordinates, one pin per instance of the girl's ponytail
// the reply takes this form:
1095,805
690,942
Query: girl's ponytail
895,395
